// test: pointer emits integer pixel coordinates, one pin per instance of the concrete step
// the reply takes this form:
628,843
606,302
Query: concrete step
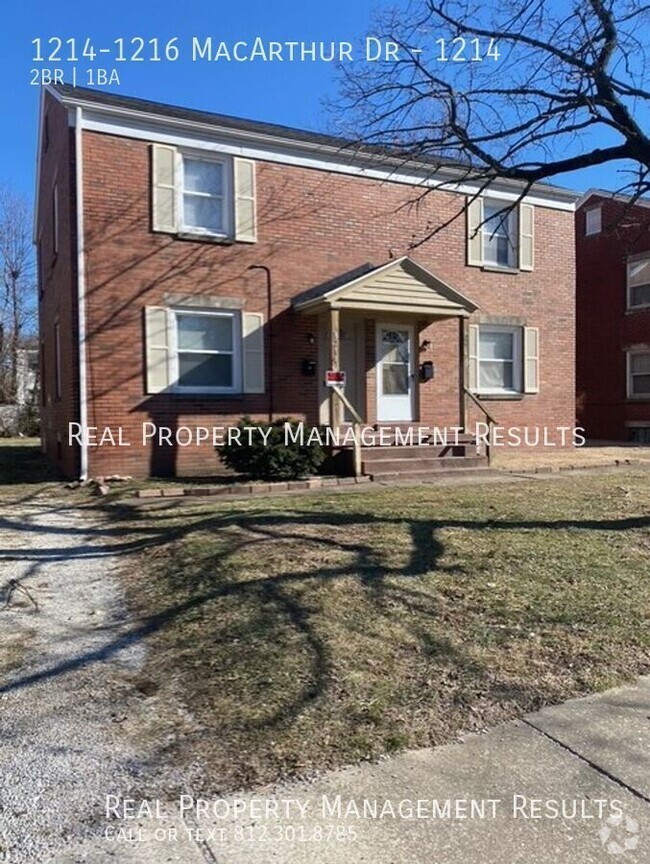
425,476
404,427
395,469
418,451
395,434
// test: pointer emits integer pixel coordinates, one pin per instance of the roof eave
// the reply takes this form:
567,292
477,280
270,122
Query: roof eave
451,173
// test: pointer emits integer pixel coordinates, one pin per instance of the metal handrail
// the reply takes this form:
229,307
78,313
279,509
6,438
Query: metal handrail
491,422
356,428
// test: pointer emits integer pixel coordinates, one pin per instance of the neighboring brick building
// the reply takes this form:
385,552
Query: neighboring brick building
222,257
613,317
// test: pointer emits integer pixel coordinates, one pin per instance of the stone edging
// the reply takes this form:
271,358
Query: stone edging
615,463
251,488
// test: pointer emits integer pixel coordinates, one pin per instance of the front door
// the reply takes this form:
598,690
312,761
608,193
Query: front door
394,373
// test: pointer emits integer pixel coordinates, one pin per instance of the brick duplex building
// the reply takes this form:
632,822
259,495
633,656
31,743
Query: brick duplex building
613,317
195,268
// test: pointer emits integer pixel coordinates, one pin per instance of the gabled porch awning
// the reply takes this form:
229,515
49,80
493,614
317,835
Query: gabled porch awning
398,286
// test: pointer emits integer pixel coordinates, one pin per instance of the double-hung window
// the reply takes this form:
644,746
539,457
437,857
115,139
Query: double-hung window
210,196
499,359
55,220
206,351
593,221
638,374
499,234
638,283
204,196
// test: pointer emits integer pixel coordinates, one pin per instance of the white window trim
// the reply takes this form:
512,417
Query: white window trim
512,228
593,231
235,317
635,397
638,306
517,361
226,195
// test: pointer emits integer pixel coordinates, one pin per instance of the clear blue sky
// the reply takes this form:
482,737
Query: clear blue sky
290,93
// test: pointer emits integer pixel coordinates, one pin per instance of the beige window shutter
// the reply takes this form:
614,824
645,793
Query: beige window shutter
253,352
473,357
474,232
164,216
526,236
245,201
531,360
156,334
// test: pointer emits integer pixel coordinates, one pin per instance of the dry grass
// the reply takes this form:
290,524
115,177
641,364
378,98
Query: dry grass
579,457
295,634
13,655
24,471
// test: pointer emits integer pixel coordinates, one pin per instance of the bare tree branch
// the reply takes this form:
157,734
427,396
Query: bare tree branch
532,86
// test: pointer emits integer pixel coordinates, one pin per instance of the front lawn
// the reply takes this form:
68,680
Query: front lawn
24,470
298,633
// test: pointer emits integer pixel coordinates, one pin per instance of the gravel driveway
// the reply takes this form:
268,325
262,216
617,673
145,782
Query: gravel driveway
68,707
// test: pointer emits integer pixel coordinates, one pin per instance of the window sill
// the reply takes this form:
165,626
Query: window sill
203,394
645,397
500,397
632,309
204,238
495,268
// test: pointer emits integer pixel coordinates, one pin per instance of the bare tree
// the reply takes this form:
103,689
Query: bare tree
17,289
514,89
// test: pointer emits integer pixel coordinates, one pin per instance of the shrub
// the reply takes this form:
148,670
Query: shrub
276,459
29,420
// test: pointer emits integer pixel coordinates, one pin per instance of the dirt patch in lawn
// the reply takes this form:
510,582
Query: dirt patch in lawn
293,635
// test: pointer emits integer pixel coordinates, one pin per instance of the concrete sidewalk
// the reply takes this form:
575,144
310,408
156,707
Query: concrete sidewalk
497,798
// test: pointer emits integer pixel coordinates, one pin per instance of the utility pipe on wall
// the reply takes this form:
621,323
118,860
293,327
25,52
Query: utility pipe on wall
81,296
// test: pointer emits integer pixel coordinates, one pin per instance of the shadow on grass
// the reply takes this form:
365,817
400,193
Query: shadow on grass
22,462
310,632
277,613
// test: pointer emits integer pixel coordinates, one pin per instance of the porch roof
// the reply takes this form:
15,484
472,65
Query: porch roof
402,285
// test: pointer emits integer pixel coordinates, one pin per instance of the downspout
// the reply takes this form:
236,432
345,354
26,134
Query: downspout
81,296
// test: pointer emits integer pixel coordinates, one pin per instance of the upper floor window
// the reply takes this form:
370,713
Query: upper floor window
58,389
638,373
593,220
638,283
41,267
500,234
55,219
203,194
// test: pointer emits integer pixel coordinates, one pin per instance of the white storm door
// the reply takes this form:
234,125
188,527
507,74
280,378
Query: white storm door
394,373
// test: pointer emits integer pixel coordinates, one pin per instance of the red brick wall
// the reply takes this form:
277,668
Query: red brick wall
312,226
57,289
605,329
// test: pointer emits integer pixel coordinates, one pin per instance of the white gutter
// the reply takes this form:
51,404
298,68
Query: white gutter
81,295
444,177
